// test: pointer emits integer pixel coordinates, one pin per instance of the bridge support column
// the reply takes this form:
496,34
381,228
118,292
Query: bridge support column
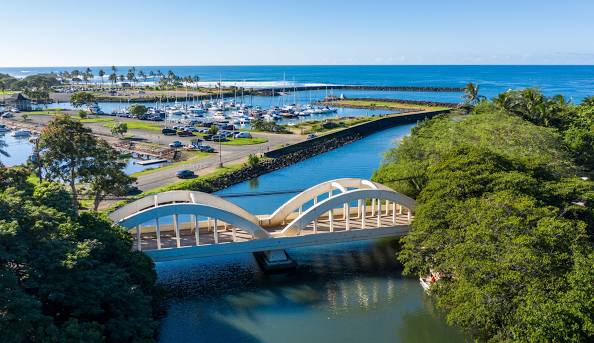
393,213
315,225
216,231
372,207
158,229
379,213
176,227
347,217
387,207
275,261
363,210
197,230
408,215
359,209
331,219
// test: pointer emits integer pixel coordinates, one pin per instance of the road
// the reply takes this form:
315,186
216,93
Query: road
231,154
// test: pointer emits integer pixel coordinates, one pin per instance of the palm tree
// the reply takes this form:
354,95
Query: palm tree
142,75
113,77
131,74
471,94
89,74
114,69
101,75
122,78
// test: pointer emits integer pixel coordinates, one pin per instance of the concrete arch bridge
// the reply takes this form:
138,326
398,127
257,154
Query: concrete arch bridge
186,224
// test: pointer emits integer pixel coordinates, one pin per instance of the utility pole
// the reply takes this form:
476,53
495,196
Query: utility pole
220,153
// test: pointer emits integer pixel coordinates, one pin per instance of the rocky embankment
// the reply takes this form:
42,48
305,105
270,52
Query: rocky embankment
266,165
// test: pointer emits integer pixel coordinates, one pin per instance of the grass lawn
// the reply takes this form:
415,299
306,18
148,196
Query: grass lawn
387,104
330,124
96,120
53,112
196,156
245,141
138,125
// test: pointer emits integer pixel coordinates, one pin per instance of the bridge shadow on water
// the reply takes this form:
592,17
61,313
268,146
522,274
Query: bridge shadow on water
228,299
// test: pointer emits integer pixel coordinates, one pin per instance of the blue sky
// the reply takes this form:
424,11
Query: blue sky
223,32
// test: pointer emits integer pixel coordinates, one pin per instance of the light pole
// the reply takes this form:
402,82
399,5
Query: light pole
220,153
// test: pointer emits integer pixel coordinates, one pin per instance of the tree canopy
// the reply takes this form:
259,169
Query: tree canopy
80,99
65,278
504,215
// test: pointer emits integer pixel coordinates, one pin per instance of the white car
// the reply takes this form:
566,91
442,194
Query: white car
243,135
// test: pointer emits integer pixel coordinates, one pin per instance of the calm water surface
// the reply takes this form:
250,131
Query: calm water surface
339,293
574,82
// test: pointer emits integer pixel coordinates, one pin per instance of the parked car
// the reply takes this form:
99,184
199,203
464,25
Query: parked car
207,137
243,135
184,174
218,138
6,115
311,136
184,133
176,144
206,148
168,132
191,129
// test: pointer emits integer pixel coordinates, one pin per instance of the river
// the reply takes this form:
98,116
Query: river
340,293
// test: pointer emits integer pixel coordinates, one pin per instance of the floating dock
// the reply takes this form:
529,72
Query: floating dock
149,162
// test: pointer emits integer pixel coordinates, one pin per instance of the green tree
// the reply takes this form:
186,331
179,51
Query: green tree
119,129
106,175
82,114
253,161
66,150
503,218
138,110
213,129
113,77
80,99
471,94
101,74
69,279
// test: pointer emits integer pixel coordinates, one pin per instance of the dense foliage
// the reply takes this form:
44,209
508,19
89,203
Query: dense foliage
69,152
65,278
505,216
35,82
268,126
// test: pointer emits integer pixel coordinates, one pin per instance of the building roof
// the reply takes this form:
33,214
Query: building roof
16,97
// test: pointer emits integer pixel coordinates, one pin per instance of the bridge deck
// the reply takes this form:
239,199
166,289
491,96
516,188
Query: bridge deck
226,233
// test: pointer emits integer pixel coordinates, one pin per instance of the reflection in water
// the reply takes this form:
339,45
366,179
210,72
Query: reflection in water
337,294
254,183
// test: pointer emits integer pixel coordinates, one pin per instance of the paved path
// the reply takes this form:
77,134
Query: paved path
231,154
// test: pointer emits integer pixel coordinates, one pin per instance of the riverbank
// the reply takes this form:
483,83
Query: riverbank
282,157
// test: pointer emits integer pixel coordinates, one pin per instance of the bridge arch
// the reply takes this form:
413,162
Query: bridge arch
312,193
326,206
174,197
197,210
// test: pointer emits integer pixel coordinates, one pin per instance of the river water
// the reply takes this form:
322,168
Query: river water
339,293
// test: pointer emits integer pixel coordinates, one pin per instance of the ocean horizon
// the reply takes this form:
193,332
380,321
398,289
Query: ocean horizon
572,81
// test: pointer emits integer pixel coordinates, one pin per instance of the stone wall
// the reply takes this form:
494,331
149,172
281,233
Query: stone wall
360,130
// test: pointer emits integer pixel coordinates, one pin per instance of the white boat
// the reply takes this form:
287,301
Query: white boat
21,133
4,128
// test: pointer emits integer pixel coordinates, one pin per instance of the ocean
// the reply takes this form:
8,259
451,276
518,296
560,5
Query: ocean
574,82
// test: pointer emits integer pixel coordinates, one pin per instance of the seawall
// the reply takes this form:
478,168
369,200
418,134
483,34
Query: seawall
356,132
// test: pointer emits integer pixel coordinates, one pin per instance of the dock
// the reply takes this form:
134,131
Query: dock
149,162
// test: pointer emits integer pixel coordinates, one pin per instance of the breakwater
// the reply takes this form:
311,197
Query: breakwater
338,103
277,90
